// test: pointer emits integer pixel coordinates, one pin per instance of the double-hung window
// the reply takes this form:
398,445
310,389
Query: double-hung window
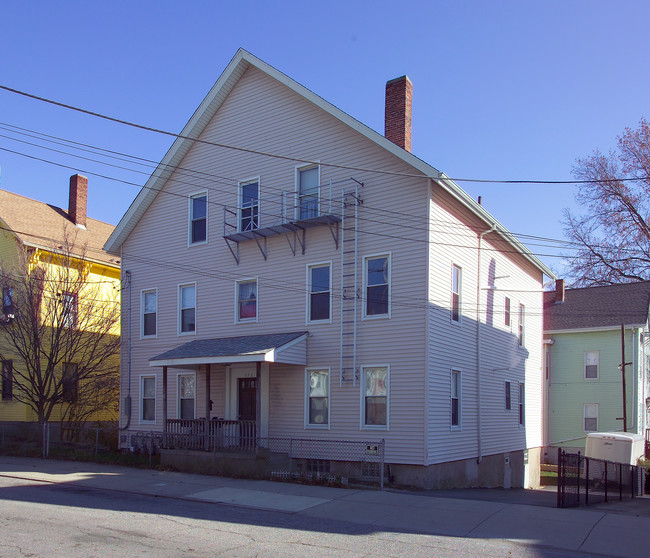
591,365
522,325
69,309
249,205
455,398
318,388
375,396
70,382
319,286
7,301
186,396
456,284
7,380
147,399
149,313
247,300
377,285
506,312
522,410
590,414
187,308
308,192
198,218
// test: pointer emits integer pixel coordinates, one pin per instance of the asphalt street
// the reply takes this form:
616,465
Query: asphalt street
55,508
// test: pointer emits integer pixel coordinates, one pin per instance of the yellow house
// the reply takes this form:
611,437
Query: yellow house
78,324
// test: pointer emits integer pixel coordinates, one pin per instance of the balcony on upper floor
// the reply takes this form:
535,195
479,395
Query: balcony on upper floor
290,213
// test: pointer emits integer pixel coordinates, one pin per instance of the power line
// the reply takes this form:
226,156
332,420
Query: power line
567,244
300,160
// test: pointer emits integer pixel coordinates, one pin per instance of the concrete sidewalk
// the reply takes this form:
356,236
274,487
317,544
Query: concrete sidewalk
611,529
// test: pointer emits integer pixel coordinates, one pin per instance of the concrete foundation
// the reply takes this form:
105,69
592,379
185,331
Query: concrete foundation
516,469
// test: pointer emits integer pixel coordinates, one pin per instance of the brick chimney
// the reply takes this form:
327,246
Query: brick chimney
559,291
399,100
78,203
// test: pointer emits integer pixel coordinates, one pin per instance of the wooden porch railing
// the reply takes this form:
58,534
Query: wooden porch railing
239,435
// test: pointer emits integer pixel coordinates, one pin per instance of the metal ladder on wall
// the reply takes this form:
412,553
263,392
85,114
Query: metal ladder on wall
349,287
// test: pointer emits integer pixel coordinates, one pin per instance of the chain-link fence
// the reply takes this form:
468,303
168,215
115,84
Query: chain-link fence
57,439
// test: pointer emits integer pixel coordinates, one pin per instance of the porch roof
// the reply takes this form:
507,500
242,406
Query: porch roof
288,348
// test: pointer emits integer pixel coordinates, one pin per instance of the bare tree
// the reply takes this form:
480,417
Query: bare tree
613,233
61,330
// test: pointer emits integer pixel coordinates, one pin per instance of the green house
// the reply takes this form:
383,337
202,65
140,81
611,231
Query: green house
586,331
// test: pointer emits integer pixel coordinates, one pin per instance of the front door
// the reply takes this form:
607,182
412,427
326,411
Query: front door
247,397
247,411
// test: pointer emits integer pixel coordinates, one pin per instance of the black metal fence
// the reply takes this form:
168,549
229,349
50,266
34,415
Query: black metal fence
586,481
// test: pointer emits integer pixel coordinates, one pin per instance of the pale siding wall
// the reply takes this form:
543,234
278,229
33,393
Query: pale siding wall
262,114
569,390
454,345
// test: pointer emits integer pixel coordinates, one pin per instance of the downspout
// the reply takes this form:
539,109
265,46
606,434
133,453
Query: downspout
635,385
127,399
478,348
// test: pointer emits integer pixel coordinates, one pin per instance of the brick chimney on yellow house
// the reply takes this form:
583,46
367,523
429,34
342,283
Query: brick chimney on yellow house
78,203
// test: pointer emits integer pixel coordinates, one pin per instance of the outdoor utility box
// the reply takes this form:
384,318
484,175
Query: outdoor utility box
617,447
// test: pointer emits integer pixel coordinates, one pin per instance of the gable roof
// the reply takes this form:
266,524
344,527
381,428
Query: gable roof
598,307
44,226
211,103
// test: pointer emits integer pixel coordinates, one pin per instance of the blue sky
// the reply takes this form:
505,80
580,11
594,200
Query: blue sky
502,90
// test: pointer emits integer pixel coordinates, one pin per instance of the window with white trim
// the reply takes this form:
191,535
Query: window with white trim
308,192
506,311
198,218
319,286
147,399
69,309
249,205
186,396
187,308
522,410
377,285
590,414
508,395
592,359
149,313
7,301
455,398
456,285
247,300
522,325
375,396
318,387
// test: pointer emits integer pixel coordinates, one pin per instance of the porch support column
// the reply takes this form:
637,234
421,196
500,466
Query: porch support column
258,398
207,407
164,382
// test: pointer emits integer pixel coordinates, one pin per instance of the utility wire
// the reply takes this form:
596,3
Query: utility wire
297,159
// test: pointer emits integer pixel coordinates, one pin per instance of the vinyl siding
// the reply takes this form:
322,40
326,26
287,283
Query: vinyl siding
568,390
262,114
452,345
103,285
